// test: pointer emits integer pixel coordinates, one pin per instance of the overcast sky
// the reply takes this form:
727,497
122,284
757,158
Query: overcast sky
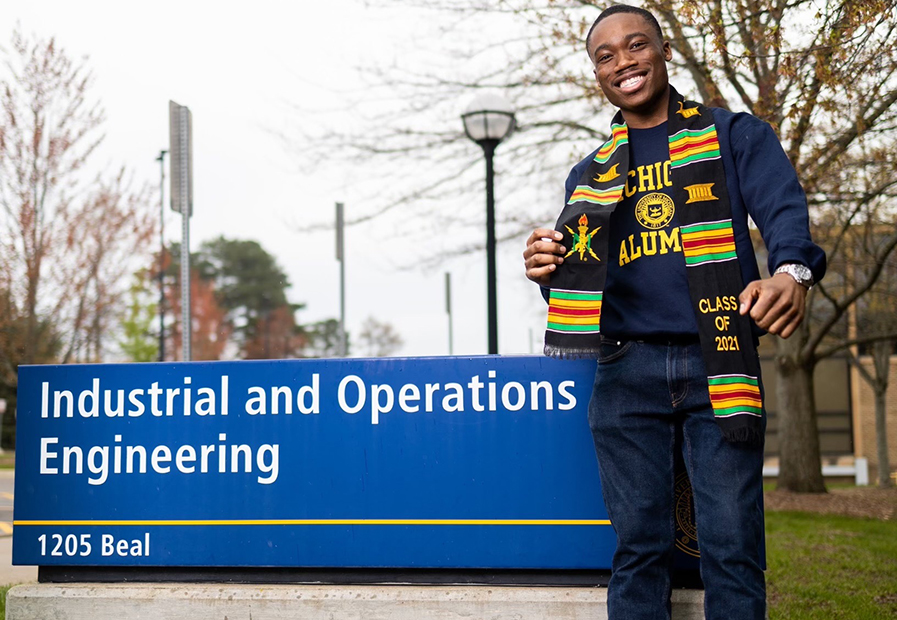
242,68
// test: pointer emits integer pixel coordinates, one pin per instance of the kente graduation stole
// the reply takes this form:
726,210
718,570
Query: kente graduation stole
708,246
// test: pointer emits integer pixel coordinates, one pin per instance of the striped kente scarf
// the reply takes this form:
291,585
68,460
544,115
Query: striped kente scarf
708,246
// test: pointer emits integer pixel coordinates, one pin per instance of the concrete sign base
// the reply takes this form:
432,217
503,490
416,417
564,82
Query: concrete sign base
384,602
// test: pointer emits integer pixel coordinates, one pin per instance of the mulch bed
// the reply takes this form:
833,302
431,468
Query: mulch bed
868,502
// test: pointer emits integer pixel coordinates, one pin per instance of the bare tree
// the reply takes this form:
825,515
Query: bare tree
378,339
48,130
110,229
821,73
876,330
323,339
68,238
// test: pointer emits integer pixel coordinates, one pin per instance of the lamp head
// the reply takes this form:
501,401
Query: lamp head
488,118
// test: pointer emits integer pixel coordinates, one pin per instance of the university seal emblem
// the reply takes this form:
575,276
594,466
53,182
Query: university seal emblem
654,211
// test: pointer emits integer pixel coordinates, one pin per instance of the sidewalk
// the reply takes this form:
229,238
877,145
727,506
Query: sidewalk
10,574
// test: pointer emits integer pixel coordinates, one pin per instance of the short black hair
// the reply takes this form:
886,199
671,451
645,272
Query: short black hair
648,16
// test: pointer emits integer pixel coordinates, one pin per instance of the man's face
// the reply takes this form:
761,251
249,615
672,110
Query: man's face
630,66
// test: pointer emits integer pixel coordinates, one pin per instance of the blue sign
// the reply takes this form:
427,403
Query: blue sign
482,462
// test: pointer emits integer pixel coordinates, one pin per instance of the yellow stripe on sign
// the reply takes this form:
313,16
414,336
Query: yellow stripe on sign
322,522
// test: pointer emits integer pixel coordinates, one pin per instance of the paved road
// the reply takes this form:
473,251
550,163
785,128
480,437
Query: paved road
8,572
6,497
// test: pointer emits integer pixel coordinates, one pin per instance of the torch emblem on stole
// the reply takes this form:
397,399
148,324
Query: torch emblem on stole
582,240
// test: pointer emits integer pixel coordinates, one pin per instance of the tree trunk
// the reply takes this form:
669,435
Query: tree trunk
800,465
30,353
881,354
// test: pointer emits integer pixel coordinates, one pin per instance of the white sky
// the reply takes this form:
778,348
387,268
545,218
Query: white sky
240,67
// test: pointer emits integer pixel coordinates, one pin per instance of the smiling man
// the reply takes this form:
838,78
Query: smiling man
650,270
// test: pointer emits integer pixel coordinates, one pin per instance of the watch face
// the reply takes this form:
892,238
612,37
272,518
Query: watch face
801,273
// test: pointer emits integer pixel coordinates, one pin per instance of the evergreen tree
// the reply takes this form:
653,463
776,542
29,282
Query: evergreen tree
138,341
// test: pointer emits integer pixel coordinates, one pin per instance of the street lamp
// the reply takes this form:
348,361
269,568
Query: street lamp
488,120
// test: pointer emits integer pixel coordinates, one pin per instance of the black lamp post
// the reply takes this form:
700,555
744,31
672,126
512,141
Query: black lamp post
488,120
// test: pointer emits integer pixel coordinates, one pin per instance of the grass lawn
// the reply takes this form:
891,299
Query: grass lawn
8,460
824,567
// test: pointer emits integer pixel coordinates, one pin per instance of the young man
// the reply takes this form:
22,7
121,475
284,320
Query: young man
651,270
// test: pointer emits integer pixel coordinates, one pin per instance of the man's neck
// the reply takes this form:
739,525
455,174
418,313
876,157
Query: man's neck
654,116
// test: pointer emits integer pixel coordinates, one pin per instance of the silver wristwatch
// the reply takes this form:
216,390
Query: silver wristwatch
801,274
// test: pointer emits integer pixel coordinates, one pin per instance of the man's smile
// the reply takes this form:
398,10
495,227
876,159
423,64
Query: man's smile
631,83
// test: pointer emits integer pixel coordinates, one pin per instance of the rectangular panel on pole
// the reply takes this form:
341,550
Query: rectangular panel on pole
181,148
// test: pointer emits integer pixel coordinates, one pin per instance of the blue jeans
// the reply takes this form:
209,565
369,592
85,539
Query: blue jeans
644,394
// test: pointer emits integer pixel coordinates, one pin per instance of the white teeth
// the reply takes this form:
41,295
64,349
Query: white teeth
631,81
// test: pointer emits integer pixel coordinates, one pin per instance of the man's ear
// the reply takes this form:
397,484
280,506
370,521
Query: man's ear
667,51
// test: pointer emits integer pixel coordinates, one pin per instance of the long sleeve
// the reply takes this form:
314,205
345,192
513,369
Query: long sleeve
773,196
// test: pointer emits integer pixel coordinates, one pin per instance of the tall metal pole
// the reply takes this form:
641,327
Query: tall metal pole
186,320
492,297
161,160
448,309
341,257
180,126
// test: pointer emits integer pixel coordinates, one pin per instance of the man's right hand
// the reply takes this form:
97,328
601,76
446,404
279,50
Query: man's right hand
542,257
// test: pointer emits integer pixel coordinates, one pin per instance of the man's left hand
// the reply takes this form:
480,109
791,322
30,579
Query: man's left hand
776,304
